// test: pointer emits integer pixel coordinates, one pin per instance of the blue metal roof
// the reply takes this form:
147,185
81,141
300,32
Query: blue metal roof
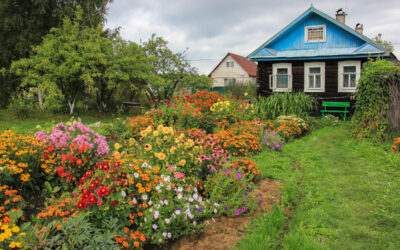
341,40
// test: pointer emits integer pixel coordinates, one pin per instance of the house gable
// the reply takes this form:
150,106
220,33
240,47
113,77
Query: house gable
340,42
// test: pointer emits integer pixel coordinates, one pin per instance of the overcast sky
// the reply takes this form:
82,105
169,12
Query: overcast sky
209,29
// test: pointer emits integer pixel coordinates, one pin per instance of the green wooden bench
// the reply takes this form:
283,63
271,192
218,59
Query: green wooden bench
343,112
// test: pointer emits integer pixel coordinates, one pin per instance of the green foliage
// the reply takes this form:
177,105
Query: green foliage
386,44
370,117
299,104
25,23
21,108
75,62
77,233
171,71
244,90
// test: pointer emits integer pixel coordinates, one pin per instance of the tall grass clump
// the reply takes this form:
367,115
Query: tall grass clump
298,103
242,89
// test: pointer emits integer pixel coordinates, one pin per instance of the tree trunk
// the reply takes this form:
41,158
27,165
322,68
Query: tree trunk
394,104
40,99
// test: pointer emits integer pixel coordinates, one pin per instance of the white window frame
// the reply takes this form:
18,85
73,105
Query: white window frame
306,28
341,66
273,77
307,67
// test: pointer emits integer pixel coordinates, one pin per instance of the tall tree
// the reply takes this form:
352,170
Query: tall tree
386,44
171,70
24,23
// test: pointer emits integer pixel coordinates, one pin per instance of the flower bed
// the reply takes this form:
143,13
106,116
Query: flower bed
176,170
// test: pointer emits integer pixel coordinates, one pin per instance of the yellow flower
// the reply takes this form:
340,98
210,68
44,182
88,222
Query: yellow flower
117,146
149,129
160,127
24,177
155,133
147,147
15,229
245,94
172,150
166,130
15,244
182,162
143,133
161,156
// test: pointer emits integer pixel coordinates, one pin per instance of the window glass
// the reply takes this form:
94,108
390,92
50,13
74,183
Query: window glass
315,70
315,34
349,69
282,71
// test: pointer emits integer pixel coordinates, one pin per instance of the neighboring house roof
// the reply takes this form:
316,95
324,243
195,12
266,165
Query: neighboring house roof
249,66
342,41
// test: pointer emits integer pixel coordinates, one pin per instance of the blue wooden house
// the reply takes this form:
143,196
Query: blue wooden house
316,54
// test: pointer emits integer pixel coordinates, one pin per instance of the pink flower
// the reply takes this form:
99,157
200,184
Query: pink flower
179,175
237,212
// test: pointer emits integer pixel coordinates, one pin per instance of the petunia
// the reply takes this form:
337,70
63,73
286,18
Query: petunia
237,212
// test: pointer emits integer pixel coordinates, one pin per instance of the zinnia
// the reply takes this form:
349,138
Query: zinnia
103,191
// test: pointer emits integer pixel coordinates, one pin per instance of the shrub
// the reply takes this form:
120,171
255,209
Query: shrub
298,103
240,89
21,108
370,119
290,127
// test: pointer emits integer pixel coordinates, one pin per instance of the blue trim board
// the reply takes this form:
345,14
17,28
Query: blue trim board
312,58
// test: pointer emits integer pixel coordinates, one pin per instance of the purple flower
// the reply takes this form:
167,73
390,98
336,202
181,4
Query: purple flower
199,210
237,212
226,208
244,209
239,175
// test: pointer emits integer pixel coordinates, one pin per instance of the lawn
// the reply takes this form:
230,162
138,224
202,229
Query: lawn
338,193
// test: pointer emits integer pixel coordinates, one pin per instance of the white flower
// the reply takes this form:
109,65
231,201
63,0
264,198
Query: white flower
155,226
123,194
215,211
195,189
167,221
216,204
145,165
194,223
134,201
136,175
169,235
158,188
180,189
150,203
144,197
156,214
177,212
168,187
179,196
195,196
164,234
190,199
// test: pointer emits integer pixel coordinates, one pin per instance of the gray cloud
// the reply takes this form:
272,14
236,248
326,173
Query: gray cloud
210,29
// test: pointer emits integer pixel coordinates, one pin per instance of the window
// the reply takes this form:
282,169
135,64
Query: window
229,80
315,34
281,78
348,75
314,77
229,64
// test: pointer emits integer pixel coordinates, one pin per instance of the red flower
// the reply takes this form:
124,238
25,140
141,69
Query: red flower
60,169
184,112
113,204
193,114
81,204
79,162
93,185
45,156
92,199
50,149
102,191
64,157
86,195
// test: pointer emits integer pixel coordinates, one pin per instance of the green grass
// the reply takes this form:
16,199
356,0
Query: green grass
23,126
341,194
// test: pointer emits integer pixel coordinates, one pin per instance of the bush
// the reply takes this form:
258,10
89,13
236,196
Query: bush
299,104
242,90
21,108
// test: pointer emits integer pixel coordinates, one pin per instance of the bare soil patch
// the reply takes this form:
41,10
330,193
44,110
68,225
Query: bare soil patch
226,232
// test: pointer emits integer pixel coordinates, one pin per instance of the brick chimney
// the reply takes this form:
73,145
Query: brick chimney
341,16
359,28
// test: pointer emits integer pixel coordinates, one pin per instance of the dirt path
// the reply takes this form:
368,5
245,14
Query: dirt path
226,232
